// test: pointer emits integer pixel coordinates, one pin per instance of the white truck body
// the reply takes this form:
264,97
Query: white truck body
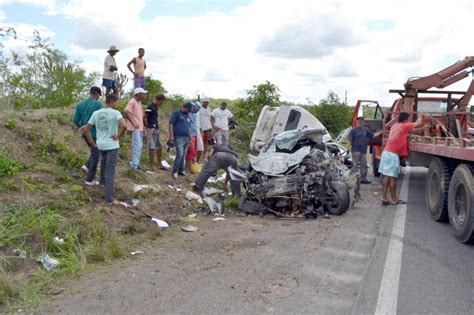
275,120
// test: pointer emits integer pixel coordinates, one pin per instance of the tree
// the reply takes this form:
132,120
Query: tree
260,95
44,77
121,81
332,113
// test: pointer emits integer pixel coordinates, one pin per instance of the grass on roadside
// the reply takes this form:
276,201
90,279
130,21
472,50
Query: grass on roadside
32,229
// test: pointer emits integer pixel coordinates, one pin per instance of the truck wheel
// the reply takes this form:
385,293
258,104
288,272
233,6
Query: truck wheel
437,187
375,165
461,203
340,200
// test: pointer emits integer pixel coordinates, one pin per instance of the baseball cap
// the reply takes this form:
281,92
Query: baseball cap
188,105
139,90
197,105
205,100
96,90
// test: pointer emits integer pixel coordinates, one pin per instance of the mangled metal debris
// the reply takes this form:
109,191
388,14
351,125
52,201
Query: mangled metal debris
296,175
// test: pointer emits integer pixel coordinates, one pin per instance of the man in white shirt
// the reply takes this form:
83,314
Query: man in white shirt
220,122
110,67
206,128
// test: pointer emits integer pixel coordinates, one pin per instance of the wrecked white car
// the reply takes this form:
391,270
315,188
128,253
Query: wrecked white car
296,175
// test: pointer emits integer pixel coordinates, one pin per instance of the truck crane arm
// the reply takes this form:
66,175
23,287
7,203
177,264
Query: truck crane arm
441,79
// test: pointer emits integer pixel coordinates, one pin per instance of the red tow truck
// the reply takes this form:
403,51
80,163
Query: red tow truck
445,145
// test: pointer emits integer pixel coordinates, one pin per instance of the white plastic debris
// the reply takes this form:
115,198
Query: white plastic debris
174,188
150,172
190,228
161,224
135,202
220,179
193,196
48,262
137,188
192,215
215,207
58,240
211,191
124,204
218,219
137,252
165,164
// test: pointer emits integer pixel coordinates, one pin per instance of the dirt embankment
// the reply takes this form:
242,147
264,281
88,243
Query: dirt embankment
42,195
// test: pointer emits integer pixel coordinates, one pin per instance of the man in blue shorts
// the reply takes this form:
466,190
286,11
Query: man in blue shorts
109,75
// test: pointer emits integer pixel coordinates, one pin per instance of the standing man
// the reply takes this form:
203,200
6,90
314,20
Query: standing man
139,65
134,114
396,147
220,122
180,136
191,154
106,121
153,130
206,128
358,139
109,75
83,113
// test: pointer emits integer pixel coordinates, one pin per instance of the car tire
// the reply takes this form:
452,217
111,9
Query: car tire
461,203
339,206
251,207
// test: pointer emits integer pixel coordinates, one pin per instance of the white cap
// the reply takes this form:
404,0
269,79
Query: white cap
139,90
205,99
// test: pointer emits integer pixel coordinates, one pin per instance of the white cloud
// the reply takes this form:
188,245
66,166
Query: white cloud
305,47
107,22
312,36
2,16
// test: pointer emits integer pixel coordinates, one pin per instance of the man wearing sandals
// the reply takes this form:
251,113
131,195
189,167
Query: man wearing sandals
397,146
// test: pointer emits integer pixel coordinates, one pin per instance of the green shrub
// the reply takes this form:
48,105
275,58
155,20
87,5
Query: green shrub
11,123
9,166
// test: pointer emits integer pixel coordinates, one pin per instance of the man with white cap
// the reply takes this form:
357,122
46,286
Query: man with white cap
109,75
134,114
206,128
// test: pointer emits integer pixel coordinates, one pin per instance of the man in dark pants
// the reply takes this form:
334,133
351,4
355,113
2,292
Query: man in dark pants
358,139
83,113
107,121
222,157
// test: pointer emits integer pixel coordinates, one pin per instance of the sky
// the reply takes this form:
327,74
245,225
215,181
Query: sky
220,49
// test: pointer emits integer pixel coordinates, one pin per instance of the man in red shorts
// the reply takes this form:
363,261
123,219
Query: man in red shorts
206,128
396,148
191,155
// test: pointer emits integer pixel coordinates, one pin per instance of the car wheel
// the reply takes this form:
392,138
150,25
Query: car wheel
339,201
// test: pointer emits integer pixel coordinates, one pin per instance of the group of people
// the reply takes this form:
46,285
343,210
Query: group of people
192,129
395,149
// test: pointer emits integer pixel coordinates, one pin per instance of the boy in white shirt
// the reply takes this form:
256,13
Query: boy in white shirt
220,122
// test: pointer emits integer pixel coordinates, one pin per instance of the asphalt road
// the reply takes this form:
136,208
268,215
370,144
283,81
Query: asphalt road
436,272
372,259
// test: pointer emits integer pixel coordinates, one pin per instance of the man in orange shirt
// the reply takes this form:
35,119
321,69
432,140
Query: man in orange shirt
396,148
139,65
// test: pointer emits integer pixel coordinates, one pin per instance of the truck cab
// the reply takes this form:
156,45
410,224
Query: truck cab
275,120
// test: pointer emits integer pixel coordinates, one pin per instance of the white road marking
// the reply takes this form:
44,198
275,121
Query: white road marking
388,295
